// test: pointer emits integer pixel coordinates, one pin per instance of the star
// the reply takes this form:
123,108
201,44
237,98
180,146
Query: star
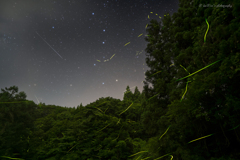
103,83
104,30
52,27
70,85
92,13
103,42
116,80
94,64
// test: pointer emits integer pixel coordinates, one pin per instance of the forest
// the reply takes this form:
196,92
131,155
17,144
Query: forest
190,112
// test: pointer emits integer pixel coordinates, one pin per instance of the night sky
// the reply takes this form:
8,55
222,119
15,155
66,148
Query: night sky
67,52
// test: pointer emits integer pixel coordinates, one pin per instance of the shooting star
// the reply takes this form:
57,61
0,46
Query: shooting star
38,102
37,99
49,45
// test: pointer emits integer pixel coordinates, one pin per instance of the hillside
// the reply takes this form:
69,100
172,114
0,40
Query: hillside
191,112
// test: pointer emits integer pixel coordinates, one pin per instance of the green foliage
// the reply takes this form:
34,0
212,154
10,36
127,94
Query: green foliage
128,95
16,117
210,101
157,124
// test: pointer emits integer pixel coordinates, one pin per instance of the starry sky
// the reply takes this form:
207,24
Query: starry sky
67,52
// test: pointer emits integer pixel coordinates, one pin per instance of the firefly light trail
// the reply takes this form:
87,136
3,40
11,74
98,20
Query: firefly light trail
130,42
199,70
206,31
49,45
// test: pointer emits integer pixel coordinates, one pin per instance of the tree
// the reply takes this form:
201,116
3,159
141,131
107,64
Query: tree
181,102
9,94
159,57
128,95
136,95
79,106
16,121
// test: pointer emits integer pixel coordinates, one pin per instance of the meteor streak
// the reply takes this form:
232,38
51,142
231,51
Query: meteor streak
37,99
49,45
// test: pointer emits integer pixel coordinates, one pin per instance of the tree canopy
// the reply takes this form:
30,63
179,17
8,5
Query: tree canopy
188,109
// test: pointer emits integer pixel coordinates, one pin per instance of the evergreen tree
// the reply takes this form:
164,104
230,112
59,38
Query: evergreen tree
159,58
128,95
136,95
205,102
